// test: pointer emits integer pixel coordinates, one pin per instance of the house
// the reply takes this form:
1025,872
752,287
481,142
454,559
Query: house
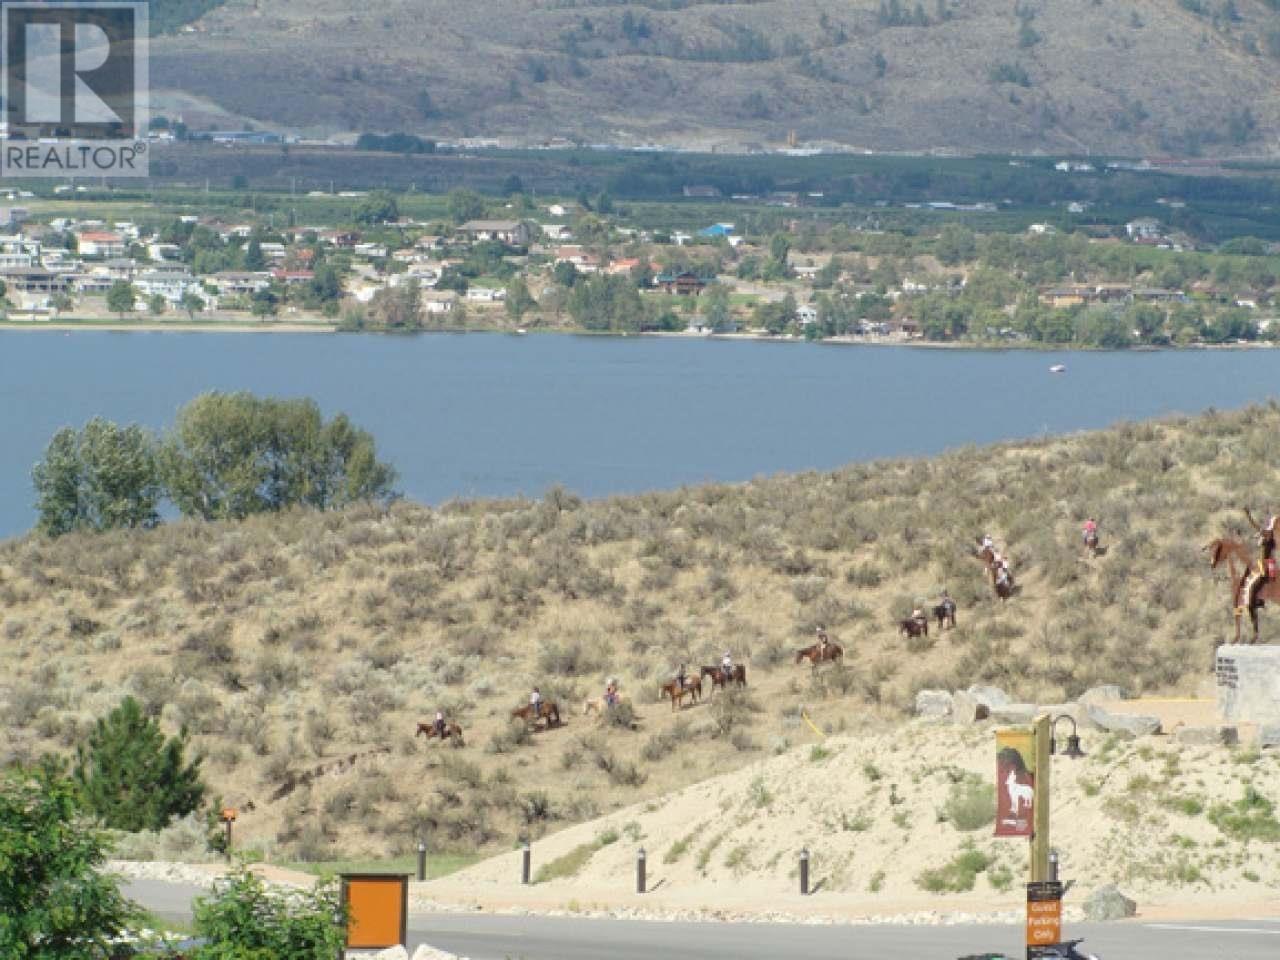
684,284
583,261
1041,229
33,286
806,314
164,251
237,283
511,232
438,303
429,241
1143,230
170,283
1059,297
100,244
374,251
716,230
292,278
556,231
702,191
486,294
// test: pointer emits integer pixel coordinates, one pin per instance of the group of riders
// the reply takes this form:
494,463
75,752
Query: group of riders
1003,577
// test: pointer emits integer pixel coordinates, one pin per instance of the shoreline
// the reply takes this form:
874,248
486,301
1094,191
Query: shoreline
329,327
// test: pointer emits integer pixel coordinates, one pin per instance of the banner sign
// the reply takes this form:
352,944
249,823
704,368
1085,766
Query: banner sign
1015,782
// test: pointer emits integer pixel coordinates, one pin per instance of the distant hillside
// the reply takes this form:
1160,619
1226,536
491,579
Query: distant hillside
1140,76
288,644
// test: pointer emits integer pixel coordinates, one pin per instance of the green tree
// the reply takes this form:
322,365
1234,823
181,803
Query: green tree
464,205
233,454
131,777
192,303
715,306
264,303
398,307
565,274
60,303
156,305
519,301
253,257
955,245
379,207
243,919
54,904
99,478
607,303
121,297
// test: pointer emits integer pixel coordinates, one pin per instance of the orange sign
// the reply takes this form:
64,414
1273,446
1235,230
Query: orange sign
1044,923
377,909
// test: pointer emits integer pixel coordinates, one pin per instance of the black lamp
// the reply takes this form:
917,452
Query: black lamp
1073,740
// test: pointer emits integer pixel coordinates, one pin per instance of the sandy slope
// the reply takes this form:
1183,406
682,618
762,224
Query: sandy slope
873,808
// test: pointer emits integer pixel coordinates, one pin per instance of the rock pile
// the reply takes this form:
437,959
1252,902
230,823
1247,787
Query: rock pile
980,702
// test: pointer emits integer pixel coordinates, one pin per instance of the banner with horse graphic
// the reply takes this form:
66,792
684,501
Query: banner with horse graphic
1015,782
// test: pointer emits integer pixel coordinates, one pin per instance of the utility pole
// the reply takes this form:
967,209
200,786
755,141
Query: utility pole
1040,811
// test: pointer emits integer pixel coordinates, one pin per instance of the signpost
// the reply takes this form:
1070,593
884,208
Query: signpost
1044,918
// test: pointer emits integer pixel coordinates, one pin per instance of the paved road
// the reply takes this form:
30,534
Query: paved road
553,938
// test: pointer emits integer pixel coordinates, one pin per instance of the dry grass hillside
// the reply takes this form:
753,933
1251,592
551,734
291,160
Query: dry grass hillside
287,644
1142,76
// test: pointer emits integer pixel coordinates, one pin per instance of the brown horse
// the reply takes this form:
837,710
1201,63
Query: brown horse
718,678
1004,588
1091,543
945,614
550,713
912,627
451,731
816,655
692,689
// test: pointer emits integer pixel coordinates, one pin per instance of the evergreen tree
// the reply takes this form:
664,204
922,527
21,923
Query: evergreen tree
132,777
253,257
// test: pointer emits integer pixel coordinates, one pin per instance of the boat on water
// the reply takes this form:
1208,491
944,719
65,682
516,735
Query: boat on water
521,331
1058,368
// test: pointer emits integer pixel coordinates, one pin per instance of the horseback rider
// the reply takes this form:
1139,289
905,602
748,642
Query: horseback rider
1090,530
726,666
1002,569
438,724
823,643
917,615
948,605
988,543
535,701
682,677
611,692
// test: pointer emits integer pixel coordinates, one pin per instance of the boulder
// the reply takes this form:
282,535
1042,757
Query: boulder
1215,736
1108,903
1268,735
989,697
426,952
1107,693
1015,713
965,708
933,704
392,953
1135,725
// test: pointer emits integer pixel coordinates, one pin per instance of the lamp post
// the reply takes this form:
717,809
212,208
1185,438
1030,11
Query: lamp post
228,817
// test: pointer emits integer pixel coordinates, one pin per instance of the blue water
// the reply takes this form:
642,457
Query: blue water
482,415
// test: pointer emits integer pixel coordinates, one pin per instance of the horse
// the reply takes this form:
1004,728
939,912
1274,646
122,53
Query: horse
1091,542
550,713
945,614
1004,588
1228,550
451,731
816,654
597,705
692,689
911,627
718,678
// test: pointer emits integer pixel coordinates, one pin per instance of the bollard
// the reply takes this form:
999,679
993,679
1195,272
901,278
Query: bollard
422,860
640,871
1053,866
804,872
526,860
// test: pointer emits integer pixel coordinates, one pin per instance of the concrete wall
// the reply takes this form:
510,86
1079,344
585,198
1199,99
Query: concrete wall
1248,679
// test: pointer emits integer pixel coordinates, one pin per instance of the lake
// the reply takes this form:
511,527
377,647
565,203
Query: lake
497,415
